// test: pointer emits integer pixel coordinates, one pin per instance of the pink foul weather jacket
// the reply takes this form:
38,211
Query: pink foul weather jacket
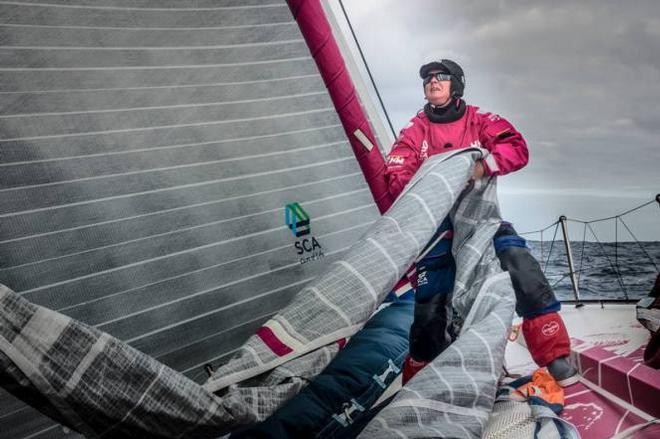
422,138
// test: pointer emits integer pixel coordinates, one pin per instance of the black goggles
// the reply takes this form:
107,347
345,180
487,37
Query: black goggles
439,76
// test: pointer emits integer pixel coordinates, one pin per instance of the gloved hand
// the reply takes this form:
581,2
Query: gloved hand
479,170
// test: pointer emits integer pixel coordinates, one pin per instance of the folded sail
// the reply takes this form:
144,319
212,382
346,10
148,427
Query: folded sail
70,370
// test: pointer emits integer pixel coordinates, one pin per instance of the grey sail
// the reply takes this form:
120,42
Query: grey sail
174,181
91,381
148,150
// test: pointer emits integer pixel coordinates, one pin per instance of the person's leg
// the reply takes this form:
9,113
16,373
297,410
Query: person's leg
431,330
543,328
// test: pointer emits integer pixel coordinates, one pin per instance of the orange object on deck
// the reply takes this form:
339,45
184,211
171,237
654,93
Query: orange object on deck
543,386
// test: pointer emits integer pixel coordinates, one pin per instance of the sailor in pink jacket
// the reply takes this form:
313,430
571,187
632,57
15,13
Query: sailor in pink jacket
447,123
456,125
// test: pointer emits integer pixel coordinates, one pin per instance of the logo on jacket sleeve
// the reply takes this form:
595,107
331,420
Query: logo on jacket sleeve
395,160
424,153
421,278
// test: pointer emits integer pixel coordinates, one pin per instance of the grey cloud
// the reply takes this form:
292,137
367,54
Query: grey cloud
581,80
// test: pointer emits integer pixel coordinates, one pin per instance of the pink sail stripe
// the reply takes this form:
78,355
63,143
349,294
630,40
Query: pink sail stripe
274,343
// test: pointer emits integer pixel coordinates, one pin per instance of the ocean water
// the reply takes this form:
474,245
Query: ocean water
605,271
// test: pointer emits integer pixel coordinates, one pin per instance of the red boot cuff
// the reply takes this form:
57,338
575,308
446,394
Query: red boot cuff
410,368
546,338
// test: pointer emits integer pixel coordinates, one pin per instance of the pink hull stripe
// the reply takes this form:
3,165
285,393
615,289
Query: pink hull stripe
623,376
595,416
274,343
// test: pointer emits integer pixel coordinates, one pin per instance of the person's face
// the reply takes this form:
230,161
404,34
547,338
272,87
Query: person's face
437,92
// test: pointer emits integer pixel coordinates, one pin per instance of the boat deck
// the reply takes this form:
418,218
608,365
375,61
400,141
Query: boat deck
616,391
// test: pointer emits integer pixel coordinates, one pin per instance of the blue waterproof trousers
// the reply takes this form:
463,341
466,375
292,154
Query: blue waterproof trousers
432,329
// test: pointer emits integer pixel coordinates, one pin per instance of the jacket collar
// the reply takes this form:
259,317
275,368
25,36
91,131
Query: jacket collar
450,113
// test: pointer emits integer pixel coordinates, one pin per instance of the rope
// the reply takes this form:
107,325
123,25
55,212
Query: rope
545,266
616,244
584,238
560,279
640,245
615,216
364,60
540,230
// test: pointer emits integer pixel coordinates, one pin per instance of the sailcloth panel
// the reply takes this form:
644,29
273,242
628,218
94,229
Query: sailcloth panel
340,301
148,149
454,396
102,387
98,385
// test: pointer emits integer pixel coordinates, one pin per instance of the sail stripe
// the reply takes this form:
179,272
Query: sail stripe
184,66
271,340
126,8
162,107
155,87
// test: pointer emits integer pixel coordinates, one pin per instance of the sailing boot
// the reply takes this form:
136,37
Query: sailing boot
563,372
410,368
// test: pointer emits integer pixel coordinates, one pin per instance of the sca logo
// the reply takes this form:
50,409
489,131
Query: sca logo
308,249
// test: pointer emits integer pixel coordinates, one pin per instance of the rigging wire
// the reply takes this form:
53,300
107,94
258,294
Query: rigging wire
640,244
540,230
618,215
563,276
617,218
584,239
364,61
542,257
616,243
545,266
587,224
602,249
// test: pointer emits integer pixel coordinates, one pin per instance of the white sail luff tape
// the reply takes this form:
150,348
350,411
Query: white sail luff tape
363,139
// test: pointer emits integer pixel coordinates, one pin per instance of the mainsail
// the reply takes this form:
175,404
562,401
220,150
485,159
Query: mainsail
149,153
149,149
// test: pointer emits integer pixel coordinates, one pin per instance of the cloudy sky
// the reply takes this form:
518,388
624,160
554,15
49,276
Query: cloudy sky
580,80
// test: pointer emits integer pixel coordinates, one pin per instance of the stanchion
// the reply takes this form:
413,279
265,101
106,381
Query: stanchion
569,256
